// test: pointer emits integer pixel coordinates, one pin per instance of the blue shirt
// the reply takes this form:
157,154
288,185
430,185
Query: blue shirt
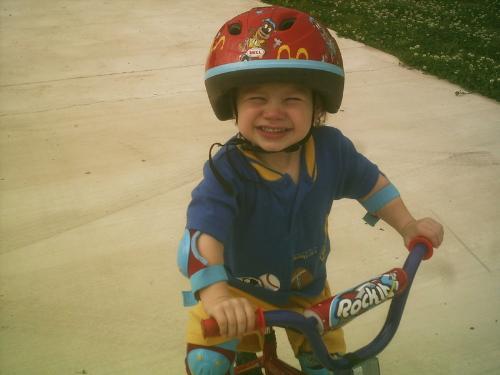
275,232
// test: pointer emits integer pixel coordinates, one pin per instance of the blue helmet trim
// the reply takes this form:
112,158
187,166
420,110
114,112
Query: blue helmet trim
274,64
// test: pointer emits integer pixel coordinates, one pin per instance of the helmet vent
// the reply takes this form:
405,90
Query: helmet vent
286,24
235,28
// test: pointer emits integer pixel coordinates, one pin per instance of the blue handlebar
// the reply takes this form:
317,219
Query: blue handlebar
307,326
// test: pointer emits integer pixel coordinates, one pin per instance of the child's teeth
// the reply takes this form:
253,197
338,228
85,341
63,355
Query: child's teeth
273,130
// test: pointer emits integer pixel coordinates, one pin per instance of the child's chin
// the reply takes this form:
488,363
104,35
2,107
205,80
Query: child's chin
272,148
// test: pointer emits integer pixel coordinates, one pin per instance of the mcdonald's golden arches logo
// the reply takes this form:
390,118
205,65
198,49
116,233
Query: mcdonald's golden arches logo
301,53
218,42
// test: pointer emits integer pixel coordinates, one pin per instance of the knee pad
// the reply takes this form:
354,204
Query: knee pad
209,361
311,366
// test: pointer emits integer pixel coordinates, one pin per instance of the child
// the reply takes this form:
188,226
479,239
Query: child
257,232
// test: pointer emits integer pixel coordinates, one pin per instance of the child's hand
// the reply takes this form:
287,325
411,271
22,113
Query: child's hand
235,316
427,227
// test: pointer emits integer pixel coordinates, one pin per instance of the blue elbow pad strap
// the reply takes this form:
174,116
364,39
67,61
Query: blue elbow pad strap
377,201
201,279
371,219
382,197
188,298
208,276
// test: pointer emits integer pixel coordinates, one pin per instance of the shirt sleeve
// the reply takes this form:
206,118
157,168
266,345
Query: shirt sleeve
359,174
212,210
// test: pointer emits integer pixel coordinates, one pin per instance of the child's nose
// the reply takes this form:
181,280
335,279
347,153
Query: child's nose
273,109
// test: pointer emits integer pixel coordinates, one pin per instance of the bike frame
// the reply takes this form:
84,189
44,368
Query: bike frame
420,249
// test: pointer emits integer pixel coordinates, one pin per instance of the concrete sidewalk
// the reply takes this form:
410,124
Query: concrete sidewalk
104,127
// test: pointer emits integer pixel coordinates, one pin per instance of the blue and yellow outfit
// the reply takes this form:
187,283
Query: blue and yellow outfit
275,232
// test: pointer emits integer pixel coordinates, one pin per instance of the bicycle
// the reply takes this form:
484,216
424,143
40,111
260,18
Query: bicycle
335,312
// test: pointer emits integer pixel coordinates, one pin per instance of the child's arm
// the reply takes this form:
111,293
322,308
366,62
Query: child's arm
235,316
397,215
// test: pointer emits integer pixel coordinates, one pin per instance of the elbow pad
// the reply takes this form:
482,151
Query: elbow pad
377,201
195,267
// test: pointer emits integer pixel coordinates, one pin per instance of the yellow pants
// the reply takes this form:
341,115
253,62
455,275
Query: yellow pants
253,342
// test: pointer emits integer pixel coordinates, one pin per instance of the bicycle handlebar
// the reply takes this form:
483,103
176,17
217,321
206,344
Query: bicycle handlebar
338,310
321,317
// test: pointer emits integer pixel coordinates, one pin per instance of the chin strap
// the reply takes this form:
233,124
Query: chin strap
246,145
222,181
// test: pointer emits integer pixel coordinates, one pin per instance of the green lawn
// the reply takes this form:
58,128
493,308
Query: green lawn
458,40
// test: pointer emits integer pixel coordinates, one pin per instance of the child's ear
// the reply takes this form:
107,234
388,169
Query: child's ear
319,116
234,101
319,112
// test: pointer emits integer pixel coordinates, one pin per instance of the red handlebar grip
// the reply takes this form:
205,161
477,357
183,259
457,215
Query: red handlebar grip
424,241
210,328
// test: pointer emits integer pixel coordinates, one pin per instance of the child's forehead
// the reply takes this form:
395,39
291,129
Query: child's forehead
274,87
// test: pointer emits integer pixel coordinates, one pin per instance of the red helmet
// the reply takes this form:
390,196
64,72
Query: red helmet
273,44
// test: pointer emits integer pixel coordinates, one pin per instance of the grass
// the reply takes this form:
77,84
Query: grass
458,40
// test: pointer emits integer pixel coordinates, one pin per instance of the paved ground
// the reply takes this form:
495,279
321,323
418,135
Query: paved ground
104,126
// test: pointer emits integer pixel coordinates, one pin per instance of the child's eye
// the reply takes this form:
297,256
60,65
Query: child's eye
294,99
256,99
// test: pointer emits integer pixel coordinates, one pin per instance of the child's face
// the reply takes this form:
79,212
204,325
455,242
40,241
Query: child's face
274,116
